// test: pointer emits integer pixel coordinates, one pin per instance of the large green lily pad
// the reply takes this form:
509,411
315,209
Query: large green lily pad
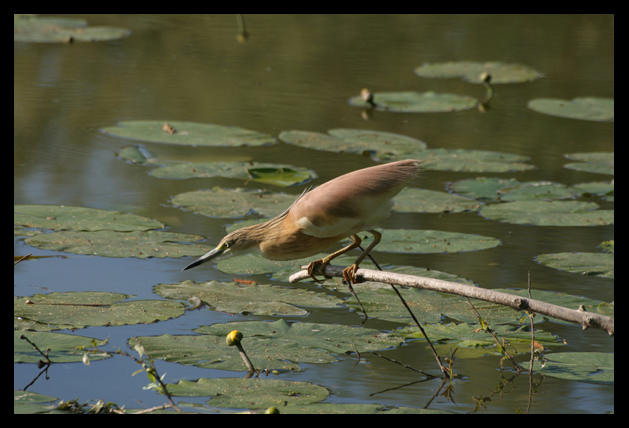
599,264
234,203
474,342
188,133
61,347
253,393
270,345
555,213
470,71
431,242
432,201
120,244
268,173
590,367
92,308
377,143
416,102
61,217
587,108
26,402
595,188
479,161
254,299
495,189
597,162
50,29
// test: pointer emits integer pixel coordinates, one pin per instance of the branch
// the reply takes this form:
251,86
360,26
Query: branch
577,316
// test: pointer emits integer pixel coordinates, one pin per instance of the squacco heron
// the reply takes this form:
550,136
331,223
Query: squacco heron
318,219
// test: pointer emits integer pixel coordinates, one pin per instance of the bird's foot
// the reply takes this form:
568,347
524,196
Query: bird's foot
349,274
320,264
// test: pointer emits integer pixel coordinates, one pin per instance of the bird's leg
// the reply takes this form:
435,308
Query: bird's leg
326,260
349,273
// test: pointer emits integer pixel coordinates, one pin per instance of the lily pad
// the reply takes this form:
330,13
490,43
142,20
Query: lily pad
587,108
431,201
253,393
91,308
471,70
26,402
39,29
555,213
484,189
272,345
598,188
276,174
597,162
253,299
120,244
474,342
61,347
513,190
61,217
188,133
431,242
360,141
230,203
416,102
590,367
462,160
599,264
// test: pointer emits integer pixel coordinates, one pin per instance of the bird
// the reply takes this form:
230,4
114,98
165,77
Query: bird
340,208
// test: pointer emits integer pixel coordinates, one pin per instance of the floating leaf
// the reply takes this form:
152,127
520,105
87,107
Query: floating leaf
26,402
91,308
431,242
380,144
590,367
28,28
597,162
555,213
482,188
598,188
61,347
462,160
254,299
431,201
61,217
230,203
120,244
188,133
417,102
276,174
271,345
599,264
474,342
588,108
470,71
253,393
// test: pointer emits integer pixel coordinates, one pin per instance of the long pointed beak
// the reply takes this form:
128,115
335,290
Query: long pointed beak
205,258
